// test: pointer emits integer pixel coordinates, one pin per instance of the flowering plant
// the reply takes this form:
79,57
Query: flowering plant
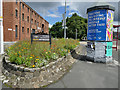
38,54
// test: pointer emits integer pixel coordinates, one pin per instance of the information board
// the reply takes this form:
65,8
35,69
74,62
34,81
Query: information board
41,38
97,25
44,38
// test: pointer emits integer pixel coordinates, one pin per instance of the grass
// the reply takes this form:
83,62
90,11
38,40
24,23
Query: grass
39,54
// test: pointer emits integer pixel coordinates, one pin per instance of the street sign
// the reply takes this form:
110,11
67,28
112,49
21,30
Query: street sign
40,38
97,25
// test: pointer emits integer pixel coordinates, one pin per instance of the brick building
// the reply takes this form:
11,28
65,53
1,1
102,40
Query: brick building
19,20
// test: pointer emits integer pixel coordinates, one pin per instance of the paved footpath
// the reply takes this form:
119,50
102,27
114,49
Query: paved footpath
89,75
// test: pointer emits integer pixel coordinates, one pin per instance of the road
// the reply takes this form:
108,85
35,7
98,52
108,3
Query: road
86,74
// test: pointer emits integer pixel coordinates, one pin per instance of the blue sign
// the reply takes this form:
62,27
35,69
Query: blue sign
97,20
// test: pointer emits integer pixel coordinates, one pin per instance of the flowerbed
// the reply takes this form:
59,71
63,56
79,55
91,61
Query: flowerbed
39,54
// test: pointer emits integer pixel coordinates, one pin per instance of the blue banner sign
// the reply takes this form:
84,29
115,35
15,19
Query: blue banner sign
97,25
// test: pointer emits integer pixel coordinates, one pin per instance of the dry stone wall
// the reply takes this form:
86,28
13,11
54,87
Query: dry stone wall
21,77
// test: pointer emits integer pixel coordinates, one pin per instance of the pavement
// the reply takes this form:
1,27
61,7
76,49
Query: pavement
86,74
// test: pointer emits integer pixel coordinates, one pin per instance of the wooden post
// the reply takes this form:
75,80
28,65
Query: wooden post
31,38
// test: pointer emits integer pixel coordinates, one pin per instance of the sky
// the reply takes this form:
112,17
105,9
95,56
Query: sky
52,11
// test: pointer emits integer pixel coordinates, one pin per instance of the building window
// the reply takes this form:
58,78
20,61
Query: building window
28,18
28,9
31,20
23,6
22,29
27,30
16,29
16,13
16,1
42,28
23,16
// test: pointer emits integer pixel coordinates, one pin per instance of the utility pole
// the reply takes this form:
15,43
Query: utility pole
1,28
76,34
65,22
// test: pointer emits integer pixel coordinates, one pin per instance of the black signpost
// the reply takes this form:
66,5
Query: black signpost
41,37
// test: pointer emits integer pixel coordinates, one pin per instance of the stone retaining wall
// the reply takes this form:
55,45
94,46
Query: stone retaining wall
21,77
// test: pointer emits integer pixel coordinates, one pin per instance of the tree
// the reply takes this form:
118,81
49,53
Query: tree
74,22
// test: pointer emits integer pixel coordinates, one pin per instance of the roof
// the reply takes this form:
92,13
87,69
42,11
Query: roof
32,10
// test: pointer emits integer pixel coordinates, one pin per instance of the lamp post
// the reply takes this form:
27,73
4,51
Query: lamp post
65,21
1,28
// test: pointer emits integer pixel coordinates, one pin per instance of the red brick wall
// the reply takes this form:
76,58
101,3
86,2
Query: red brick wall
7,21
10,20
15,20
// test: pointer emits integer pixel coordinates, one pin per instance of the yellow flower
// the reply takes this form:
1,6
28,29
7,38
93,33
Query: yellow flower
19,51
68,51
53,53
22,49
37,59
33,66
50,51
46,52
30,57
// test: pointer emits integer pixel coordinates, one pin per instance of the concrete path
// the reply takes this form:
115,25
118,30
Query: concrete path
89,75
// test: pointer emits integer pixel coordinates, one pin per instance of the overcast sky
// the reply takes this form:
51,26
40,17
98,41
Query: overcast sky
52,11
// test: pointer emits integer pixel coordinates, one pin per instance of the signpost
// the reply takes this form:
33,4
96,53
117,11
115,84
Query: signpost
100,33
41,38
1,29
